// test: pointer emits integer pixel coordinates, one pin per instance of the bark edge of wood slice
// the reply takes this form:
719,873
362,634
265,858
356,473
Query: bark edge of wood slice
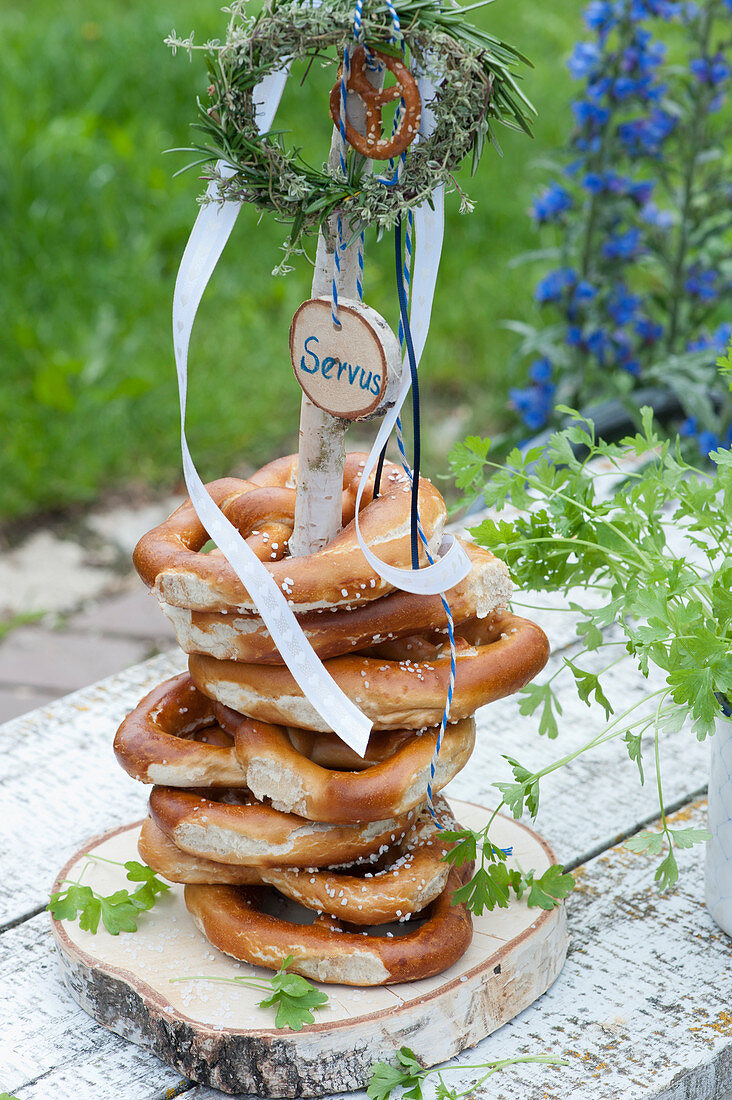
214,1033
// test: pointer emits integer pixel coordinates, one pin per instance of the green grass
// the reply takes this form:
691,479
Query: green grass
93,224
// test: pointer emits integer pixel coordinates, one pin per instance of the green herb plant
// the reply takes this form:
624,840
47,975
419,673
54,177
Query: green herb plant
408,1075
672,609
293,996
492,884
119,911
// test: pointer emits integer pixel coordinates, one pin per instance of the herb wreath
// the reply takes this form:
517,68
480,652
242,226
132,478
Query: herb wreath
476,86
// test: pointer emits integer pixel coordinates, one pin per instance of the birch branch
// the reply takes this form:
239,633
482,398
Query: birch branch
322,444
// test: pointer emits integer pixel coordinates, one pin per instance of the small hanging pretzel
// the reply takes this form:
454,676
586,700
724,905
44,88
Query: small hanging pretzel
372,144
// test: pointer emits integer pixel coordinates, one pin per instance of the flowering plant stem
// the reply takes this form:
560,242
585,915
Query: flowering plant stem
639,213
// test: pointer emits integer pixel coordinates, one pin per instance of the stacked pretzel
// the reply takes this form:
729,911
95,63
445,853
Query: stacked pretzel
256,804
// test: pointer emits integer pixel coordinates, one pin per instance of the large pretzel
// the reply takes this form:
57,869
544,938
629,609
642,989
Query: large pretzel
275,770
229,827
232,919
372,144
486,589
178,737
169,557
392,687
412,875
175,737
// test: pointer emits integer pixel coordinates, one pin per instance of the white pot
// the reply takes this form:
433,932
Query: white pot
718,884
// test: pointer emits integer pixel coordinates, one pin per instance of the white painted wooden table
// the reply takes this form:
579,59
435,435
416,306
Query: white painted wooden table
642,1009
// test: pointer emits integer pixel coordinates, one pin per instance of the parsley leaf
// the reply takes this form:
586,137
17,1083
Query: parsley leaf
118,911
409,1076
589,684
548,891
667,872
635,752
687,838
294,998
646,842
525,789
468,461
541,695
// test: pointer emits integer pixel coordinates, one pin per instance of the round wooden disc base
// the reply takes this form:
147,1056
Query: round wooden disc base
214,1032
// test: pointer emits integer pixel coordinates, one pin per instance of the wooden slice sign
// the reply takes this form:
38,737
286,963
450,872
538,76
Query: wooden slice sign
350,372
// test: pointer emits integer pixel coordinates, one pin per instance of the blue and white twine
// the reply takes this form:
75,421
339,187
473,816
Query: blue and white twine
403,276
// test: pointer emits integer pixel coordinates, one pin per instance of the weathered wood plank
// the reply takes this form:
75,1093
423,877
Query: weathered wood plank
60,783
50,1048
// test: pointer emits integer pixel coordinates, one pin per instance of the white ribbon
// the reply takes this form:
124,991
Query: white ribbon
208,238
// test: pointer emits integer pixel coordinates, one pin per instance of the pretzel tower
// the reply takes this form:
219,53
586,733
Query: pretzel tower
251,793
339,642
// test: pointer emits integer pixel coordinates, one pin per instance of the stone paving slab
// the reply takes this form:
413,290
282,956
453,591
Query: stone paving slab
133,614
96,615
124,527
47,573
58,661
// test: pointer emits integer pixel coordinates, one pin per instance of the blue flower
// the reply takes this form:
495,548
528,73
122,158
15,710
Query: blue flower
710,70
599,16
550,204
541,370
701,343
648,330
553,285
585,59
533,405
702,283
594,182
722,335
622,305
707,442
643,55
661,219
623,246
589,114
688,427
573,336
647,135
597,89
600,344
641,191
584,292
666,9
